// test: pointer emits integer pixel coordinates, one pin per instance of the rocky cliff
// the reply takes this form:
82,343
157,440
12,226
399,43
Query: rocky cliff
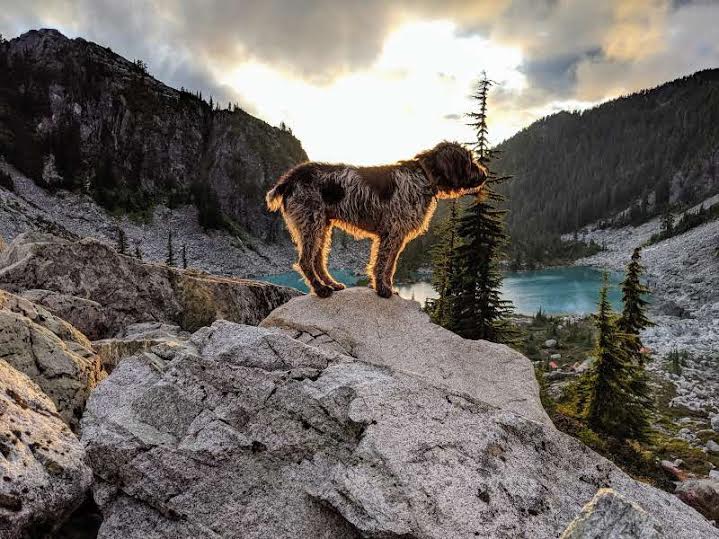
75,115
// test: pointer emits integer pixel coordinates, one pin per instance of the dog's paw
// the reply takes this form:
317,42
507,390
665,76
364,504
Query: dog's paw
384,291
337,286
323,291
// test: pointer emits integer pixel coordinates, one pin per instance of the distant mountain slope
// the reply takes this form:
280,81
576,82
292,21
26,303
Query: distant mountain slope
645,150
75,115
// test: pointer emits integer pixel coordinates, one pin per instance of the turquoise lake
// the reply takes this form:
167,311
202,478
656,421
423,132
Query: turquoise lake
565,290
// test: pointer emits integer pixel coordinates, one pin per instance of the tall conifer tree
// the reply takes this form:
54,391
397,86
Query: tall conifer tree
614,392
634,318
477,310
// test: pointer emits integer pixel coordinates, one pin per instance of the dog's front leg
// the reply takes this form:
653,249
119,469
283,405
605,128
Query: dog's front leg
383,268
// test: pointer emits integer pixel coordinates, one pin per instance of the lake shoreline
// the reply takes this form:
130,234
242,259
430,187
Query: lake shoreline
557,291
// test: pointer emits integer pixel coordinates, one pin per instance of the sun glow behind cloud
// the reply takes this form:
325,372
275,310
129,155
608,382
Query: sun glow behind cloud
410,98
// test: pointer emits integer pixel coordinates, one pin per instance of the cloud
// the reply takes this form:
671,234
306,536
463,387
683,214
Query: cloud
570,52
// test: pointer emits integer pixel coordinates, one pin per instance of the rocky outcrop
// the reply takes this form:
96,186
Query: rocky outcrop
91,120
248,432
610,516
56,356
127,290
84,314
134,339
397,334
43,476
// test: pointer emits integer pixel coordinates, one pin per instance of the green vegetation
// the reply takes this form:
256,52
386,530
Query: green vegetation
615,407
634,318
676,360
613,395
442,265
670,228
466,259
575,168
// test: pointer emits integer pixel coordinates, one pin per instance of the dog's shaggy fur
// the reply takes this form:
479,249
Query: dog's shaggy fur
391,204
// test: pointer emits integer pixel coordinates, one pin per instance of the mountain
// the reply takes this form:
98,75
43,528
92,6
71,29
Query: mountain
75,115
641,153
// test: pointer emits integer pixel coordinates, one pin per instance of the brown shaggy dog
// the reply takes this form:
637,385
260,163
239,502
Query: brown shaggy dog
391,204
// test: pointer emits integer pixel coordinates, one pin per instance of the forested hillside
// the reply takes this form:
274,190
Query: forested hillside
77,116
640,153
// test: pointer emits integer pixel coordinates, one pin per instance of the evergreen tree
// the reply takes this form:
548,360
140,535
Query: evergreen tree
476,308
615,397
121,241
170,260
667,225
634,318
141,66
184,256
442,267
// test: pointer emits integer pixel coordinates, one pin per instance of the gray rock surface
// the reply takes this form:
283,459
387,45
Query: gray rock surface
136,338
397,334
43,476
610,516
130,291
84,314
248,432
51,352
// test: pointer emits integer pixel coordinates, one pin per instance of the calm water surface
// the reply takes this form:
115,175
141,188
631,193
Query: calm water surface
568,290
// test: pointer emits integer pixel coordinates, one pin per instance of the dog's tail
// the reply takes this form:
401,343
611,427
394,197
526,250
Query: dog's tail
280,191
286,184
274,196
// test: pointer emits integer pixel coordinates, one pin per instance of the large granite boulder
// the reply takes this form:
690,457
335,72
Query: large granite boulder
43,476
398,334
126,289
248,432
51,352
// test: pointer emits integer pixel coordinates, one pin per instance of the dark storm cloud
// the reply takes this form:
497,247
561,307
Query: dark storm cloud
557,75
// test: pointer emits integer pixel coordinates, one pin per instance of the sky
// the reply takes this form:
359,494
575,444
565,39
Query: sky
376,81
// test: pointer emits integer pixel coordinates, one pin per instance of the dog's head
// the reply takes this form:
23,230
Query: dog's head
454,170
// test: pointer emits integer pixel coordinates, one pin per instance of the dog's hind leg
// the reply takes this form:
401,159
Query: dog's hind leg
389,248
309,248
322,258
